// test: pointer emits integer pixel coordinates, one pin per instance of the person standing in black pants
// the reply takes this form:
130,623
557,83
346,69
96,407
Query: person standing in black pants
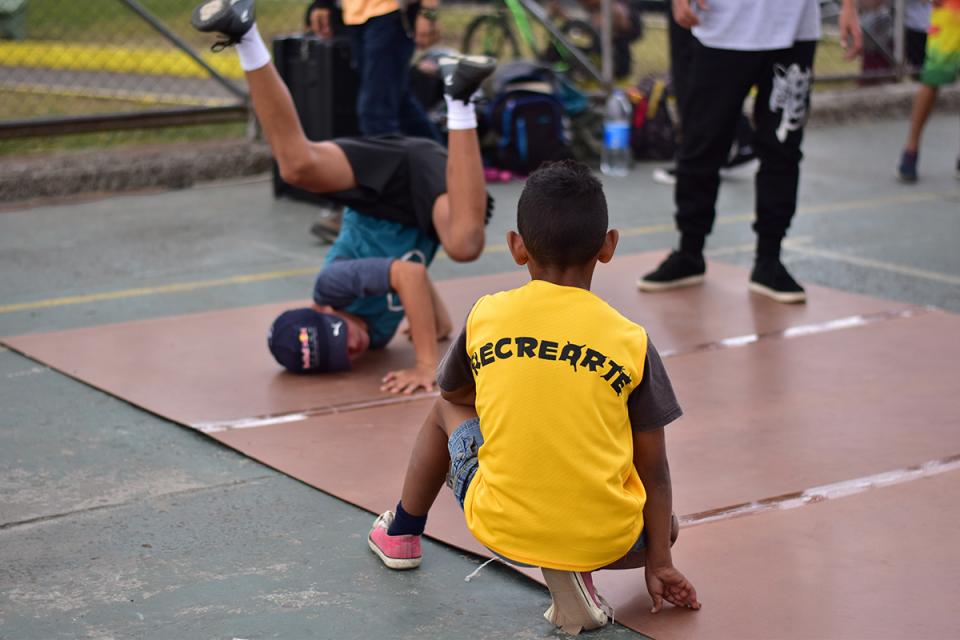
739,45
682,44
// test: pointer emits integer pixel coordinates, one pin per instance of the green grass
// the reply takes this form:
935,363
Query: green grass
22,106
99,21
112,139
111,22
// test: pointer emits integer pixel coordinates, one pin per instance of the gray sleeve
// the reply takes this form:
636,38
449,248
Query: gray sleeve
343,281
454,370
653,404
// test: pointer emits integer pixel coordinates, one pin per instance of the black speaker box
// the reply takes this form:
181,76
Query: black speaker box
323,84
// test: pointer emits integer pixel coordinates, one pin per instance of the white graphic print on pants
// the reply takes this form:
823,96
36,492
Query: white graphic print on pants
790,93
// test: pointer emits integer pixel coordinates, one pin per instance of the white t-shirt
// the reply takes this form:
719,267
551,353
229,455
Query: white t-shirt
917,15
758,25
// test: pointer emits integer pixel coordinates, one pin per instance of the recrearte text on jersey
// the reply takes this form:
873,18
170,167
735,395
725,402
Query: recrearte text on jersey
556,486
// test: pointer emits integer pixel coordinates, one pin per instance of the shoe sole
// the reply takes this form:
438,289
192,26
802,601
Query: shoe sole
779,296
905,179
654,287
208,12
398,564
573,609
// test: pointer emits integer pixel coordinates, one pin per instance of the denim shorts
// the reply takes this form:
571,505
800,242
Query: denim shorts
463,445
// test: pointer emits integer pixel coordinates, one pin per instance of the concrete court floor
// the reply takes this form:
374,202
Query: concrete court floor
117,524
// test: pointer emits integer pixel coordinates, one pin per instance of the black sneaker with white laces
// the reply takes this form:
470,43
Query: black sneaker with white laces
463,75
230,18
678,270
770,278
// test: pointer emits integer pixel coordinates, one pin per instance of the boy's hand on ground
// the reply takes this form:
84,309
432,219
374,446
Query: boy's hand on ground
666,583
406,381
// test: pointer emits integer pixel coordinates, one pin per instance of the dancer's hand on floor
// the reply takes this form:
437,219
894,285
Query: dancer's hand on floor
406,381
667,583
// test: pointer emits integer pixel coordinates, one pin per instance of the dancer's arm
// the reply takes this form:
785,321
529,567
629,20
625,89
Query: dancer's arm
410,281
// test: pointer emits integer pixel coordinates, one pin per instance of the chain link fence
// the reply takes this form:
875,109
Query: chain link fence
103,65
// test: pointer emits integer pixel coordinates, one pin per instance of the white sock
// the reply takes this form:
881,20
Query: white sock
460,114
253,53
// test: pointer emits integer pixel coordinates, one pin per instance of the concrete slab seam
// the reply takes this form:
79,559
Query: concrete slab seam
6,526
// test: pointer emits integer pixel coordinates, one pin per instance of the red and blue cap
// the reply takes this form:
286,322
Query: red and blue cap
307,341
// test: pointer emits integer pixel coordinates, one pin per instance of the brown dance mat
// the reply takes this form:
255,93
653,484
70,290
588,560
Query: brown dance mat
778,399
214,366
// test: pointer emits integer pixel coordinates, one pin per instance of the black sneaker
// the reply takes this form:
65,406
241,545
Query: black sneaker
739,156
463,75
231,18
907,169
678,270
770,278
327,228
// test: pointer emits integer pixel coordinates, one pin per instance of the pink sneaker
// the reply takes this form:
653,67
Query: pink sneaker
397,552
576,604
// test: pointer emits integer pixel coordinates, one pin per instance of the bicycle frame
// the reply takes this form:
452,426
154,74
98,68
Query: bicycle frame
520,8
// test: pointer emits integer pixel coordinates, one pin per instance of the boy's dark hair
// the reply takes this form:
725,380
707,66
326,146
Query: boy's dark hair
562,214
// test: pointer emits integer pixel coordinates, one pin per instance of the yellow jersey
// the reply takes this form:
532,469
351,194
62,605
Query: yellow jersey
556,486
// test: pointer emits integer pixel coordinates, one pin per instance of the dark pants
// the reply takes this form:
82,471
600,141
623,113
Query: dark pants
682,47
718,82
382,50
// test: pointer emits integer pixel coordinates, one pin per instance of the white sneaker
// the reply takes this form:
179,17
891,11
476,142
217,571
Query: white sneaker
665,175
576,604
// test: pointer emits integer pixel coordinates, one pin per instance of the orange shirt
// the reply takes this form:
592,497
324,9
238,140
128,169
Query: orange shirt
359,11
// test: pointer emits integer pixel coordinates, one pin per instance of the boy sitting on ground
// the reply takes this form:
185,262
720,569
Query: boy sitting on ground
550,425
404,197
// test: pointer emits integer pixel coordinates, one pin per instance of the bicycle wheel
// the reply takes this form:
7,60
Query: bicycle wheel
490,36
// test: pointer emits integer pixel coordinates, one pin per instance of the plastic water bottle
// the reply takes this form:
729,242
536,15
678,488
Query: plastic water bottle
616,135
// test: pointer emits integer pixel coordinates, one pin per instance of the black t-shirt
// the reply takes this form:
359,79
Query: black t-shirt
398,178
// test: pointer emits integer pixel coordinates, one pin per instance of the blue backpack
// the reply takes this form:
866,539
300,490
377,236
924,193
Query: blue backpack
526,118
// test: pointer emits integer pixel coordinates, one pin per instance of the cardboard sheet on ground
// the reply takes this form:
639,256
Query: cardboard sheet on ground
776,416
847,405
879,565
760,421
215,366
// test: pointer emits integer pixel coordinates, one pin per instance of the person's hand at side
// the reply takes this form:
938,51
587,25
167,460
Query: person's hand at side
664,581
851,38
320,22
685,14
426,30
667,583
410,281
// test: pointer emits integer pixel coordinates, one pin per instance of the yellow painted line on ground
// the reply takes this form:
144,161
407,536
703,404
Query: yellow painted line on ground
73,56
138,97
835,208
162,289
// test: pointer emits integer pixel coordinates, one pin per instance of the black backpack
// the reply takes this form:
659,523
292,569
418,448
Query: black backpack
526,118
653,131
